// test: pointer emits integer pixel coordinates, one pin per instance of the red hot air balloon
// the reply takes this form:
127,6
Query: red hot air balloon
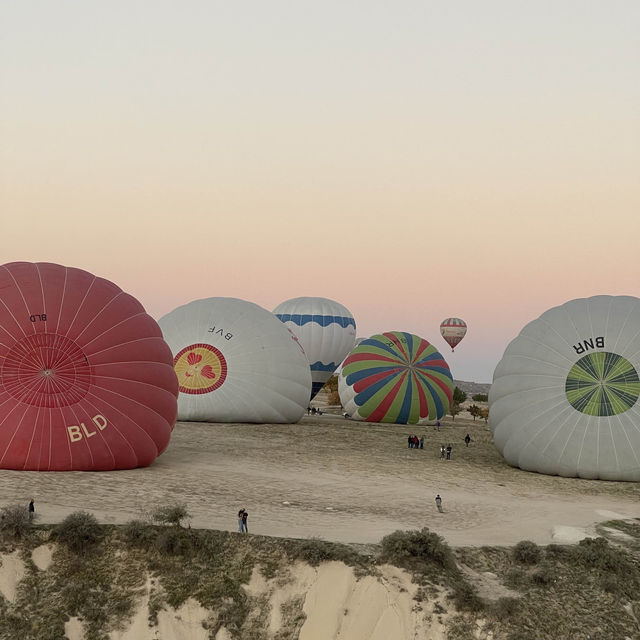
86,379
453,330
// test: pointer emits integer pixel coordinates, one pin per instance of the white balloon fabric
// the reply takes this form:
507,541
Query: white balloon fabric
564,398
236,362
326,329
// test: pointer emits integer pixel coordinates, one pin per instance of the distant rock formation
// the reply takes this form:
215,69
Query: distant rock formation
471,388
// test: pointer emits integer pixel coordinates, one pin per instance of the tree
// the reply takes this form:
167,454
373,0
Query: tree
454,410
171,514
331,387
459,396
474,410
480,397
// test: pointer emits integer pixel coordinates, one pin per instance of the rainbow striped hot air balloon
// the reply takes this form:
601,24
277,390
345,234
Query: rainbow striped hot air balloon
453,330
395,377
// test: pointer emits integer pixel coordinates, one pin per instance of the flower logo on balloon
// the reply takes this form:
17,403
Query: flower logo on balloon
200,368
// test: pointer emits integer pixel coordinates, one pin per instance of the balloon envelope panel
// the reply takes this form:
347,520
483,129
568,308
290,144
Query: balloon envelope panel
564,398
326,329
86,379
236,362
395,377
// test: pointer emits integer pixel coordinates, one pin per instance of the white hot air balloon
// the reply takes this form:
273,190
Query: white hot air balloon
564,399
326,329
236,362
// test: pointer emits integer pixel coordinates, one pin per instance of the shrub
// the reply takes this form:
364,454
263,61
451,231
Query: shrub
557,552
526,552
543,576
480,397
599,554
79,532
505,608
173,541
465,597
139,533
413,549
314,551
171,514
14,520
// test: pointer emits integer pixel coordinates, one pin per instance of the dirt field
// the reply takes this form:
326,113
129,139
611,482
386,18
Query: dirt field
337,479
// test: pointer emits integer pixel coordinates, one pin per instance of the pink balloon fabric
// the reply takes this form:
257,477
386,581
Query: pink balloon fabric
86,379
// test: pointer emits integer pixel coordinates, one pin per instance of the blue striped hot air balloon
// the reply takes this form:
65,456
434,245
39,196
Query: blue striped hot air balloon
326,330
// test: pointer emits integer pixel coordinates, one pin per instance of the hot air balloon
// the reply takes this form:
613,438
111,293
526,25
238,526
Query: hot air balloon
86,380
395,377
453,330
564,399
236,362
326,330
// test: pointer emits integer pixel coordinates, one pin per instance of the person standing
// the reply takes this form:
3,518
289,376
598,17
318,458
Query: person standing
410,442
240,514
467,439
449,449
439,503
443,452
245,526
32,510
422,442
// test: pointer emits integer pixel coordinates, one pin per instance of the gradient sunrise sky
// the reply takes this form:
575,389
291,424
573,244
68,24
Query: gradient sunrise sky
412,160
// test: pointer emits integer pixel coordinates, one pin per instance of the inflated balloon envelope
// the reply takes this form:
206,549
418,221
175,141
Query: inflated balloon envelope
86,379
326,329
236,362
395,377
564,398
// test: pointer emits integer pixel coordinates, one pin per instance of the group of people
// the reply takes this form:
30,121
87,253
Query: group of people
445,452
415,443
314,411
243,527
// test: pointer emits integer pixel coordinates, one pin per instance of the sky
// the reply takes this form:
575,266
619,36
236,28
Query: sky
412,160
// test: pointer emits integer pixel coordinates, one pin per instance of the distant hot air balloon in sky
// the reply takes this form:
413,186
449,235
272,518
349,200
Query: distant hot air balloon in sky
453,330
395,377
86,379
236,362
564,398
326,329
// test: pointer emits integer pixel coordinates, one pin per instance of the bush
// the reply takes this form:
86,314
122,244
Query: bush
14,520
171,514
505,608
173,541
79,532
526,552
480,397
314,551
415,549
599,554
543,576
139,533
465,597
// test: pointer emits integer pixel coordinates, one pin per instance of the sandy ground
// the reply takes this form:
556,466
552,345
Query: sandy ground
336,479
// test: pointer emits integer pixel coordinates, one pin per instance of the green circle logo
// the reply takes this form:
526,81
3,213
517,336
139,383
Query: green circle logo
602,384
